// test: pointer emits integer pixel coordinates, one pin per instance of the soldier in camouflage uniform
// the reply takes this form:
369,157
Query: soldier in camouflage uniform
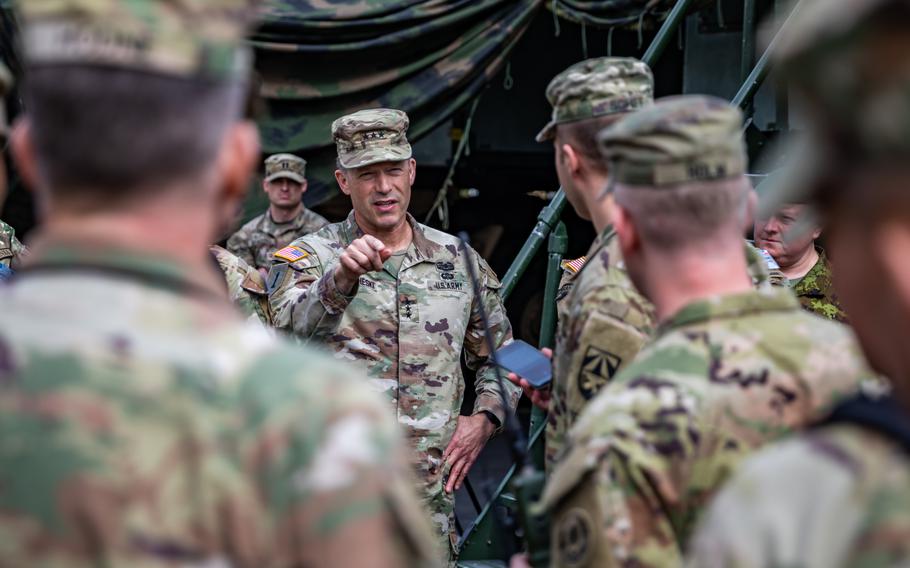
144,423
790,240
11,250
839,495
603,320
286,218
729,367
392,295
246,286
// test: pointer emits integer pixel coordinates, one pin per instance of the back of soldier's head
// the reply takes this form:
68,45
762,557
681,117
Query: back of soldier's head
678,168
127,96
848,67
591,95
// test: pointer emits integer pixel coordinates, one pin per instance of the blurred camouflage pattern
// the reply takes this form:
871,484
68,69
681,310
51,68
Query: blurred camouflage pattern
370,136
259,237
613,13
289,166
12,251
815,291
246,287
185,38
145,424
598,87
722,377
319,61
408,333
682,139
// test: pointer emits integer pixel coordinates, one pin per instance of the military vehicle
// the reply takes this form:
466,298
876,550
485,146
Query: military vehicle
471,74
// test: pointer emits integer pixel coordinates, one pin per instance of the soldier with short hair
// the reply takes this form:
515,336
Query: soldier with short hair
729,368
838,495
394,297
286,218
144,422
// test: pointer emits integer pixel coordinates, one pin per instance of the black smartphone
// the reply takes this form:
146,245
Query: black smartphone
527,362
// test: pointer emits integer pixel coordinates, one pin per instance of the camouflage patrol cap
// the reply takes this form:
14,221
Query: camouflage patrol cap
6,83
677,140
848,61
285,166
370,136
598,87
184,38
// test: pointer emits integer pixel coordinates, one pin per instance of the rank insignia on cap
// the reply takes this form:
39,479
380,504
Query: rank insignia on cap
573,266
291,254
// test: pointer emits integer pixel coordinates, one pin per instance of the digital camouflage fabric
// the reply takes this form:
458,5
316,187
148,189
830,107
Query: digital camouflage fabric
184,38
408,332
245,285
12,252
259,237
603,323
598,87
815,291
145,424
320,60
722,377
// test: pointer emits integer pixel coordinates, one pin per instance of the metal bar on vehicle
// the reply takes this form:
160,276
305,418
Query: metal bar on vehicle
748,51
755,79
546,220
666,31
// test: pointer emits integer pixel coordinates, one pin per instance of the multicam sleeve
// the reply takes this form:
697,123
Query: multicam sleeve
304,298
334,473
476,351
238,244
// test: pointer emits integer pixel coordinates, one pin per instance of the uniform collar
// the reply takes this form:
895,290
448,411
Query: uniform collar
269,225
732,306
140,267
818,277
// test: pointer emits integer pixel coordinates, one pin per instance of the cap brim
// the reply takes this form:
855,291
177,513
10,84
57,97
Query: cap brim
547,133
290,175
369,156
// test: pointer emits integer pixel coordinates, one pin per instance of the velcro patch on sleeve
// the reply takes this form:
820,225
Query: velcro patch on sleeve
291,254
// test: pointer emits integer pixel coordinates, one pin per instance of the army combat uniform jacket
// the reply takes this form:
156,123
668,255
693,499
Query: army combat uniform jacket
603,323
407,331
722,377
256,240
146,424
246,286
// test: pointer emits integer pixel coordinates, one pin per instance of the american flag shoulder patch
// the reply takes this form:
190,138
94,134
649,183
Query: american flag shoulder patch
573,266
291,254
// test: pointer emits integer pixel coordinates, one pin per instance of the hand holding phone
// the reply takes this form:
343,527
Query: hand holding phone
526,362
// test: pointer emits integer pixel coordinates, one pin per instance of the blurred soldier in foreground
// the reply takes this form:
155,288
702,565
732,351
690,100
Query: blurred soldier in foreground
730,367
246,286
785,235
144,423
286,218
839,495
11,250
603,320
382,290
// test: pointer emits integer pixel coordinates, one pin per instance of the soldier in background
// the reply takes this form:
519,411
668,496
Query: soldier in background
839,495
286,218
11,250
729,368
144,423
394,296
790,238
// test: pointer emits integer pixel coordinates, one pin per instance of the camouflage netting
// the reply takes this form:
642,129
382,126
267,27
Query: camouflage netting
319,61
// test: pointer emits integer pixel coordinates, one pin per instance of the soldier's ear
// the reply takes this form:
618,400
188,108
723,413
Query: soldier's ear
23,150
342,178
238,158
412,173
626,231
